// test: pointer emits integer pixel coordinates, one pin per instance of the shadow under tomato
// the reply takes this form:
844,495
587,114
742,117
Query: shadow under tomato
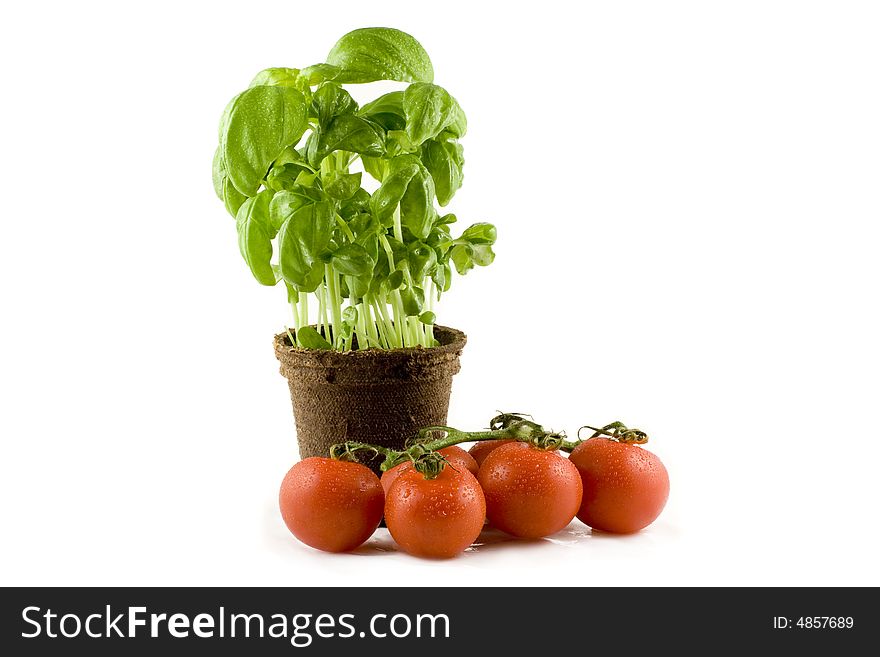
489,540
492,539
380,543
495,540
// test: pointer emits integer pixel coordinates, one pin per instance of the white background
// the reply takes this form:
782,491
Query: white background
687,201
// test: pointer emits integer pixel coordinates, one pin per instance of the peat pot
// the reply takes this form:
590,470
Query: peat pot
379,396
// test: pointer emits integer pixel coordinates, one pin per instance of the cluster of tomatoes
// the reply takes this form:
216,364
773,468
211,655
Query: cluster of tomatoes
437,506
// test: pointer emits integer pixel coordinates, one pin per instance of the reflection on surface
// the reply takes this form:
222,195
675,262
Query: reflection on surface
490,539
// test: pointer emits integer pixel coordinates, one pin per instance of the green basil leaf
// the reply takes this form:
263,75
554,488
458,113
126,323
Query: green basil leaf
344,186
285,203
359,203
349,133
287,170
364,224
421,259
444,160
387,111
417,205
218,173
308,338
457,126
398,141
224,120
292,294
318,73
232,198
349,320
380,53
291,156
331,100
413,299
375,166
441,276
461,258
398,251
429,109
440,238
303,241
353,260
465,256
480,233
281,77
255,235
261,123
350,315
482,255
370,242
286,176
311,147
400,172
394,281
307,179
345,333
383,268
357,287
428,318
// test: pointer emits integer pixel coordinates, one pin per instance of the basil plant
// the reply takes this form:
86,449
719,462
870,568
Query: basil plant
294,153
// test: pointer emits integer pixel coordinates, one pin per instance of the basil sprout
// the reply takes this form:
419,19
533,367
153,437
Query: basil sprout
289,167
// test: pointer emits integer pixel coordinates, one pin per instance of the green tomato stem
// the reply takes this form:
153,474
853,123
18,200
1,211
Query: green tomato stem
618,432
426,444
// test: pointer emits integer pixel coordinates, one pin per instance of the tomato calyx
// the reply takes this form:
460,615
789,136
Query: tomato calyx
506,420
618,432
523,427
431,464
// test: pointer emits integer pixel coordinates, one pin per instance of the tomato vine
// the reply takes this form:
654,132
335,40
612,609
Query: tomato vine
423,450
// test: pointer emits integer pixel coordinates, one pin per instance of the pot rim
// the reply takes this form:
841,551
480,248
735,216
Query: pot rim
451,341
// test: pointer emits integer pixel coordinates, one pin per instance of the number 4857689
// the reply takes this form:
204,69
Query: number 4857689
821,622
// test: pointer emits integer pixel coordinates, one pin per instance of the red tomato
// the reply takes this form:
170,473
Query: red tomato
483,448
435,517
390,476
460,459
625,486
331,505
530,492
455,456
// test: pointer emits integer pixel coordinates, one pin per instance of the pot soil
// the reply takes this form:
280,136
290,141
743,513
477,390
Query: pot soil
378,396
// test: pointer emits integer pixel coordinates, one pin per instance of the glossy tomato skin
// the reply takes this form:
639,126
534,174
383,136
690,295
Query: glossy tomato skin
331,505
530,492
459,459
625,485
455,455
480,450
435,518
391,475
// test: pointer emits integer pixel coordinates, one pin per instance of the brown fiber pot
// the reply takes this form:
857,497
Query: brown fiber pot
376,396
